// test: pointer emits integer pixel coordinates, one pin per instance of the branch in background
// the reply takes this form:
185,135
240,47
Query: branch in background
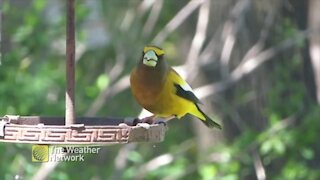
250,65
258,166
164,159
229,33
212,46
208,51
253,51
120,161
176,21
264,34
118,68
132,12
198,40
44,170
127,20
200,34
284,123
145,6
108,92
153,18
157,162
254,62
314,50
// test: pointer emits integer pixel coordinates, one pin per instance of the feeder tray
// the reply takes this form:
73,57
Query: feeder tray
87,130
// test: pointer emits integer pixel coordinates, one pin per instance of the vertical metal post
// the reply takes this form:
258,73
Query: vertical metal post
70,115
0,32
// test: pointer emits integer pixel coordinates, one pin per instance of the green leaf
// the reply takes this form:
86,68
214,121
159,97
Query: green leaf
307,153
208,171
102,82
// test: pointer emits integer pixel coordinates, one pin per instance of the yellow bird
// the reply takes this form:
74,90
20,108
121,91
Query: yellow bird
159,89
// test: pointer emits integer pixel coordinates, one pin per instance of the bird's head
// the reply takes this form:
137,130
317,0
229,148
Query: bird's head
152,55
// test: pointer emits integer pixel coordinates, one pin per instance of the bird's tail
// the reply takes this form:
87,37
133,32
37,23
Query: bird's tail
208,121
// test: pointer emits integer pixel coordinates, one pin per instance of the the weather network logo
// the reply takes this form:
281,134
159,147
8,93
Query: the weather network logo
46,153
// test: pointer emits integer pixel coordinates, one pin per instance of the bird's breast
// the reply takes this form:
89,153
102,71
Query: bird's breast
146,90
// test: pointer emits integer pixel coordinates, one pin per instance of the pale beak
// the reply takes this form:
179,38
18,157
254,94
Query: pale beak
150,59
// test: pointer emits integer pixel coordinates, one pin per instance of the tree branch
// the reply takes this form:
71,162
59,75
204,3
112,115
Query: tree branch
116,88
153,18
198,39
229,33
314,49
249,66
258,166
176,21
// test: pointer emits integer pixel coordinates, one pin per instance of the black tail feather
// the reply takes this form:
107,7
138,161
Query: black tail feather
208,121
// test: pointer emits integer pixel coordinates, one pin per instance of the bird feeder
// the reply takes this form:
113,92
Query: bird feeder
71,130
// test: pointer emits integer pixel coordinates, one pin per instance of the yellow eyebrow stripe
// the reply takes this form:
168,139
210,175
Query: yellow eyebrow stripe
157,50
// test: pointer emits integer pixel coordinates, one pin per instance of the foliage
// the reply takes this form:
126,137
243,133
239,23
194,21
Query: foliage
110,35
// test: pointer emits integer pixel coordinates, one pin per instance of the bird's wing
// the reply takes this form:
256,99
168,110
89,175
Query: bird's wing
183,88
186,94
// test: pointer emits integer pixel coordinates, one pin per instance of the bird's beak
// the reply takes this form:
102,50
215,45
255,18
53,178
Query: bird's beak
150,59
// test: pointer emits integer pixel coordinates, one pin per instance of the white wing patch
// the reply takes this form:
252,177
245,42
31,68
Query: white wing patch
182,72
185,86
183,89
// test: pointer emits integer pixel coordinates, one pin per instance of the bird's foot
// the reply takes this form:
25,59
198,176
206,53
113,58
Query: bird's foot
131,121
161,121
148,120
164,121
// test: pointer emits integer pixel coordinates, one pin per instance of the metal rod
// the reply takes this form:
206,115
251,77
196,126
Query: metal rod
70,64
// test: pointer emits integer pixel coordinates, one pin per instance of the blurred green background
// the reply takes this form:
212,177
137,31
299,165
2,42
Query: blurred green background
249,60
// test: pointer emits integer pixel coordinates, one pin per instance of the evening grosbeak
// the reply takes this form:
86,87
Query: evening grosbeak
160,89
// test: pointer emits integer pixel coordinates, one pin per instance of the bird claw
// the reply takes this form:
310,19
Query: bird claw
148,120
131,121
151,120
144,125
161,121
